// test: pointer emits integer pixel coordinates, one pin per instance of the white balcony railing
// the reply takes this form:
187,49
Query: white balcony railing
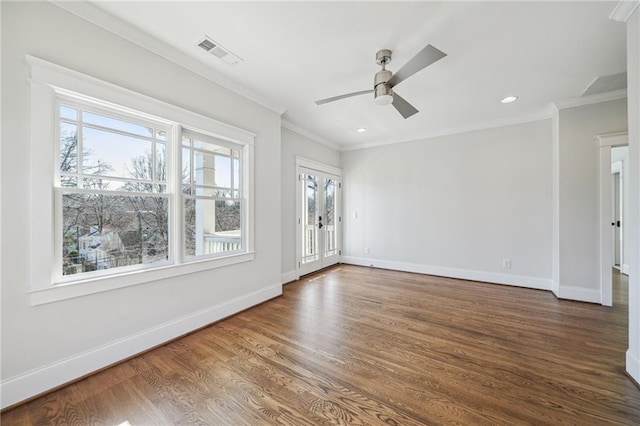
221,242
311,244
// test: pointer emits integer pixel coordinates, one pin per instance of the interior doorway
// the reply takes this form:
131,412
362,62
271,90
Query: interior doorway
319,217
612,211
618,201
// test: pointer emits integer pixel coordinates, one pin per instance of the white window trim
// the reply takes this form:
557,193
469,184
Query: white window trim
48,79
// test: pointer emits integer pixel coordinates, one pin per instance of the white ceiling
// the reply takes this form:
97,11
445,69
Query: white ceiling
297,52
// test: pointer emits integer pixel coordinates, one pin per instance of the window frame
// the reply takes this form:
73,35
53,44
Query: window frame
83,104
242,189
48,82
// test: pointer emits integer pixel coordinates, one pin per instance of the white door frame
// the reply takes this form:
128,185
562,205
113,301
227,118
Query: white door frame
618,168
322,168
605,143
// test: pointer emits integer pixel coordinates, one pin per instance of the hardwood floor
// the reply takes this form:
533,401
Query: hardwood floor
361,346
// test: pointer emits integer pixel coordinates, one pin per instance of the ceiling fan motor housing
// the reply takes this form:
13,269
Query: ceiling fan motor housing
383,94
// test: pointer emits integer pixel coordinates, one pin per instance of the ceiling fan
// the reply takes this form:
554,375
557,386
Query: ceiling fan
385,80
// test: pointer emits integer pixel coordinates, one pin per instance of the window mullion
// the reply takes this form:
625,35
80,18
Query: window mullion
173,148
79,147
154,152
232,170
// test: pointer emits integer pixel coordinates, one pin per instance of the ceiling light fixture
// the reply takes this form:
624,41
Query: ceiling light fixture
361,130
383,100
509,99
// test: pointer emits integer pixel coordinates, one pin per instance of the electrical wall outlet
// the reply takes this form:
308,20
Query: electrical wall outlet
367,250
506,263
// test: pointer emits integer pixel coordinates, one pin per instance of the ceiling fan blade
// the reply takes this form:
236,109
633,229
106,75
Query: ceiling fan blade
423,59
404,108
337,98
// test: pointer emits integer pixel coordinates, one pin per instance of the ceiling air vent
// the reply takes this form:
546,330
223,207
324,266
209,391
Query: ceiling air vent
218,51
207,44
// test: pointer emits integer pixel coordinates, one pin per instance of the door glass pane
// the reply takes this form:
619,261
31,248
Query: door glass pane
310,231
330,220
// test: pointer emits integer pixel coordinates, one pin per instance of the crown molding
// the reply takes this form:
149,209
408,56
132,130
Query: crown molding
105,20
623,10
310,135
613,139
592,99
543,115
547,113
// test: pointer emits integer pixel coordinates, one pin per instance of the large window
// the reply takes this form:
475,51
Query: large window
212,194
112,189
114,192
127,189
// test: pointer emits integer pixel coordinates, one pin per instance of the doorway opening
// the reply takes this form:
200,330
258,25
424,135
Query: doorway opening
617,204
614,156
319,218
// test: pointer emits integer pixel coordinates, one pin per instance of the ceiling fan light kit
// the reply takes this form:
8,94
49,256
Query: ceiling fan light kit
383,99
384,80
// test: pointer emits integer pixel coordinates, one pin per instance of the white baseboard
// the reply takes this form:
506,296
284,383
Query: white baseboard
555,287
465,274
37,381
633,366
625,269
289,276
579,294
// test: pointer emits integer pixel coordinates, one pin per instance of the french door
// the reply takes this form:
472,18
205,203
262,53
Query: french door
319,219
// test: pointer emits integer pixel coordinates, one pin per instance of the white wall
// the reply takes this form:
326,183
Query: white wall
578,159
633,84
455,205
621,154
46,345
293,145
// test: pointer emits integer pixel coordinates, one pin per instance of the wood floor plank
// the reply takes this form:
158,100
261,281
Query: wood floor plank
363,346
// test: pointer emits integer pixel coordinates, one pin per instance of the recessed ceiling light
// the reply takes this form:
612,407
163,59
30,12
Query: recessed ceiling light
509,99
361,130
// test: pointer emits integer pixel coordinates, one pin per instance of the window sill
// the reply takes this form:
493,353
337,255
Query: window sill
98,285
